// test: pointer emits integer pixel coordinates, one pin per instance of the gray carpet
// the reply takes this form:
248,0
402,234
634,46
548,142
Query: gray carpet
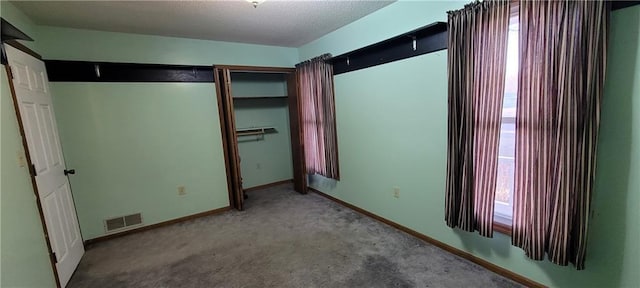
283,239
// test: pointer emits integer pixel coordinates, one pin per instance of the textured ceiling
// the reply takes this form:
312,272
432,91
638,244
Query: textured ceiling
281,23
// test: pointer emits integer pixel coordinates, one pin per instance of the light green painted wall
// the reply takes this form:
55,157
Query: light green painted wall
258,85
14,16
615,230
407,148
76,44
392,20
23,251
133,145
264,160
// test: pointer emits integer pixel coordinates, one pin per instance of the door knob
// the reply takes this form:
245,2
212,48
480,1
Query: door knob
70,171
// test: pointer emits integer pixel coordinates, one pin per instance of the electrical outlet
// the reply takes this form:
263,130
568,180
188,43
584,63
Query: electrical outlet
22,161
396,192
182,191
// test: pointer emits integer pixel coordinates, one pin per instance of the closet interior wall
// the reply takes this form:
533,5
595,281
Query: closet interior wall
260,101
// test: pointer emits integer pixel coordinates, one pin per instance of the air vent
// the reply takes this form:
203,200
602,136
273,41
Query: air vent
114,224
122,222
134,219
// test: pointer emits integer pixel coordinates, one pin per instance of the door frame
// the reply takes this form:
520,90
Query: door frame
34,185
229,137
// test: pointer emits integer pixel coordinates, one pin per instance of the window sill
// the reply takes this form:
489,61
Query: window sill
502,228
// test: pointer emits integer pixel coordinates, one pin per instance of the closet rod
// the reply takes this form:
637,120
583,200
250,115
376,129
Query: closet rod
250,133
255,131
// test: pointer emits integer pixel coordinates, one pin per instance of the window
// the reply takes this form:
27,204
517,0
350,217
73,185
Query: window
317,104
506,164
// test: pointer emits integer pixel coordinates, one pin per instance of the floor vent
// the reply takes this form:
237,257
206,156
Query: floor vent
121,222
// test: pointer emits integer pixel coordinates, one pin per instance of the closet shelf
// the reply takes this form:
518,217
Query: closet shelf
255,131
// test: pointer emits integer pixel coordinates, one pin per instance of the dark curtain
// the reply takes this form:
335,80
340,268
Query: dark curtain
477,63
562,64
315,80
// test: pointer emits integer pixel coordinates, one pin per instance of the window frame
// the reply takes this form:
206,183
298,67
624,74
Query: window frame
502,224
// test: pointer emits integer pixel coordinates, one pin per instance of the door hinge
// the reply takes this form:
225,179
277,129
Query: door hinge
55,257
33,170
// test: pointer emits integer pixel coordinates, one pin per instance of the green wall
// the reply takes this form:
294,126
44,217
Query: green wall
245,84
265,159
615,230
24,257
18,19
134,144
392,20
407,147
77,44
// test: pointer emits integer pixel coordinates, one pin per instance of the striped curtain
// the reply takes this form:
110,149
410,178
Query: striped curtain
562,65
477,62
315,80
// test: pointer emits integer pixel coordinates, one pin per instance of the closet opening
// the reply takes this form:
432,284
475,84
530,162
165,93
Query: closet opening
260,123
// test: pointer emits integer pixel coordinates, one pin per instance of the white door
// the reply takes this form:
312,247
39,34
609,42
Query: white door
34,101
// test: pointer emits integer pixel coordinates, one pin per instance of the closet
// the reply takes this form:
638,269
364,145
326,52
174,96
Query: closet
260,120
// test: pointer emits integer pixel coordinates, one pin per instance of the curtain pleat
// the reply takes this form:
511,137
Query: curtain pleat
562,64
477,63
315,80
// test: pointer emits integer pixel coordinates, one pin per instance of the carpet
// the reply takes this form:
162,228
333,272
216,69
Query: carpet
282,239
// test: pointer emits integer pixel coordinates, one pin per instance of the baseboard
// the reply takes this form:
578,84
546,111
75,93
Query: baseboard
157,225
259,187
484,263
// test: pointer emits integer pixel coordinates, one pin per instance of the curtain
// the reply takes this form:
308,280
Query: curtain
562,64
477,63
315,80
